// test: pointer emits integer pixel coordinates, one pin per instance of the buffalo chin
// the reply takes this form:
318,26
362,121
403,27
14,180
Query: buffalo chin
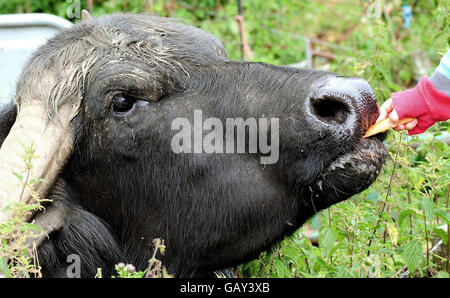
350,173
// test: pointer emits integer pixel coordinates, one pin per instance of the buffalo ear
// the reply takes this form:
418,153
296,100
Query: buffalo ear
8,115
85,15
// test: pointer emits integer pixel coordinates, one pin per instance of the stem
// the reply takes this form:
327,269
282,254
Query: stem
385,198
348,239
28,166
426,240
447,268
24,185
329,225
410,204
246,53
90,6
393,259
307,265
329,218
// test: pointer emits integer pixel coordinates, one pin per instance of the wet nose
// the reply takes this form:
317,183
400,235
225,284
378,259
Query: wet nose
344,102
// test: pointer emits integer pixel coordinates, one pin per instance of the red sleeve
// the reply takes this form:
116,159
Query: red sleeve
423,102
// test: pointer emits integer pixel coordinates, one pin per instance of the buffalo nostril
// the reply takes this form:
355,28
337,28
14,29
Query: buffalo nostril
330,109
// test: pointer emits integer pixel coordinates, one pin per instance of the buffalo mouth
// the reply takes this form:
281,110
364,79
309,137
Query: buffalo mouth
352,172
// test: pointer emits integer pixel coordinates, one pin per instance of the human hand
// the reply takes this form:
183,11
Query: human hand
387,111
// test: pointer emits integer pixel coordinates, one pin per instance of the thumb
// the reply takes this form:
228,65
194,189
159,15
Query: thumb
383,114
393,119
385,108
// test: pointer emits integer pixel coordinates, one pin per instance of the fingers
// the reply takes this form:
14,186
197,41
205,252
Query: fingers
385,109
382,115
411,125
407,126
393,119
399,127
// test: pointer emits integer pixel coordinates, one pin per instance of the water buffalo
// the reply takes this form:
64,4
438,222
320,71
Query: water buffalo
99,101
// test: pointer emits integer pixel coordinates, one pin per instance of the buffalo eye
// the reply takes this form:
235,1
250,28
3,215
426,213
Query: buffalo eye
121,105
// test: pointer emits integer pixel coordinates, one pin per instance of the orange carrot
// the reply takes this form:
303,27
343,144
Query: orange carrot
383,125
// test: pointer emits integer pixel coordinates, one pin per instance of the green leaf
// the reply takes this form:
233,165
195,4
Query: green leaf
282,269
20,177
343,272
412,255
318,264
441,233
405,213
30,227
4,267
441,274
290,253
385,72
336,247
444,215
428,208
34,181
372,196
328,238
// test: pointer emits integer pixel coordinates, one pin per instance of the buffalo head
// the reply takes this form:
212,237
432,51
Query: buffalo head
100,101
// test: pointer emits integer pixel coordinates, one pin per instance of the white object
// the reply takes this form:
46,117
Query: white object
20,36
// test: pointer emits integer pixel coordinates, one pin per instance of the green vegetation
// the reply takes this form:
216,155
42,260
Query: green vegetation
384,231
393,229
18,257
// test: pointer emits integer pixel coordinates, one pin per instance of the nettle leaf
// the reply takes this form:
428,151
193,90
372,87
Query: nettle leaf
336,247
372,196
282,269
412,255
253,267
291,254
328,238
444,215
405,213
428,208
343,272
319,264
370,218
441,233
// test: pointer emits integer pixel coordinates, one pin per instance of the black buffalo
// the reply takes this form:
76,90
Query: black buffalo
121,185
